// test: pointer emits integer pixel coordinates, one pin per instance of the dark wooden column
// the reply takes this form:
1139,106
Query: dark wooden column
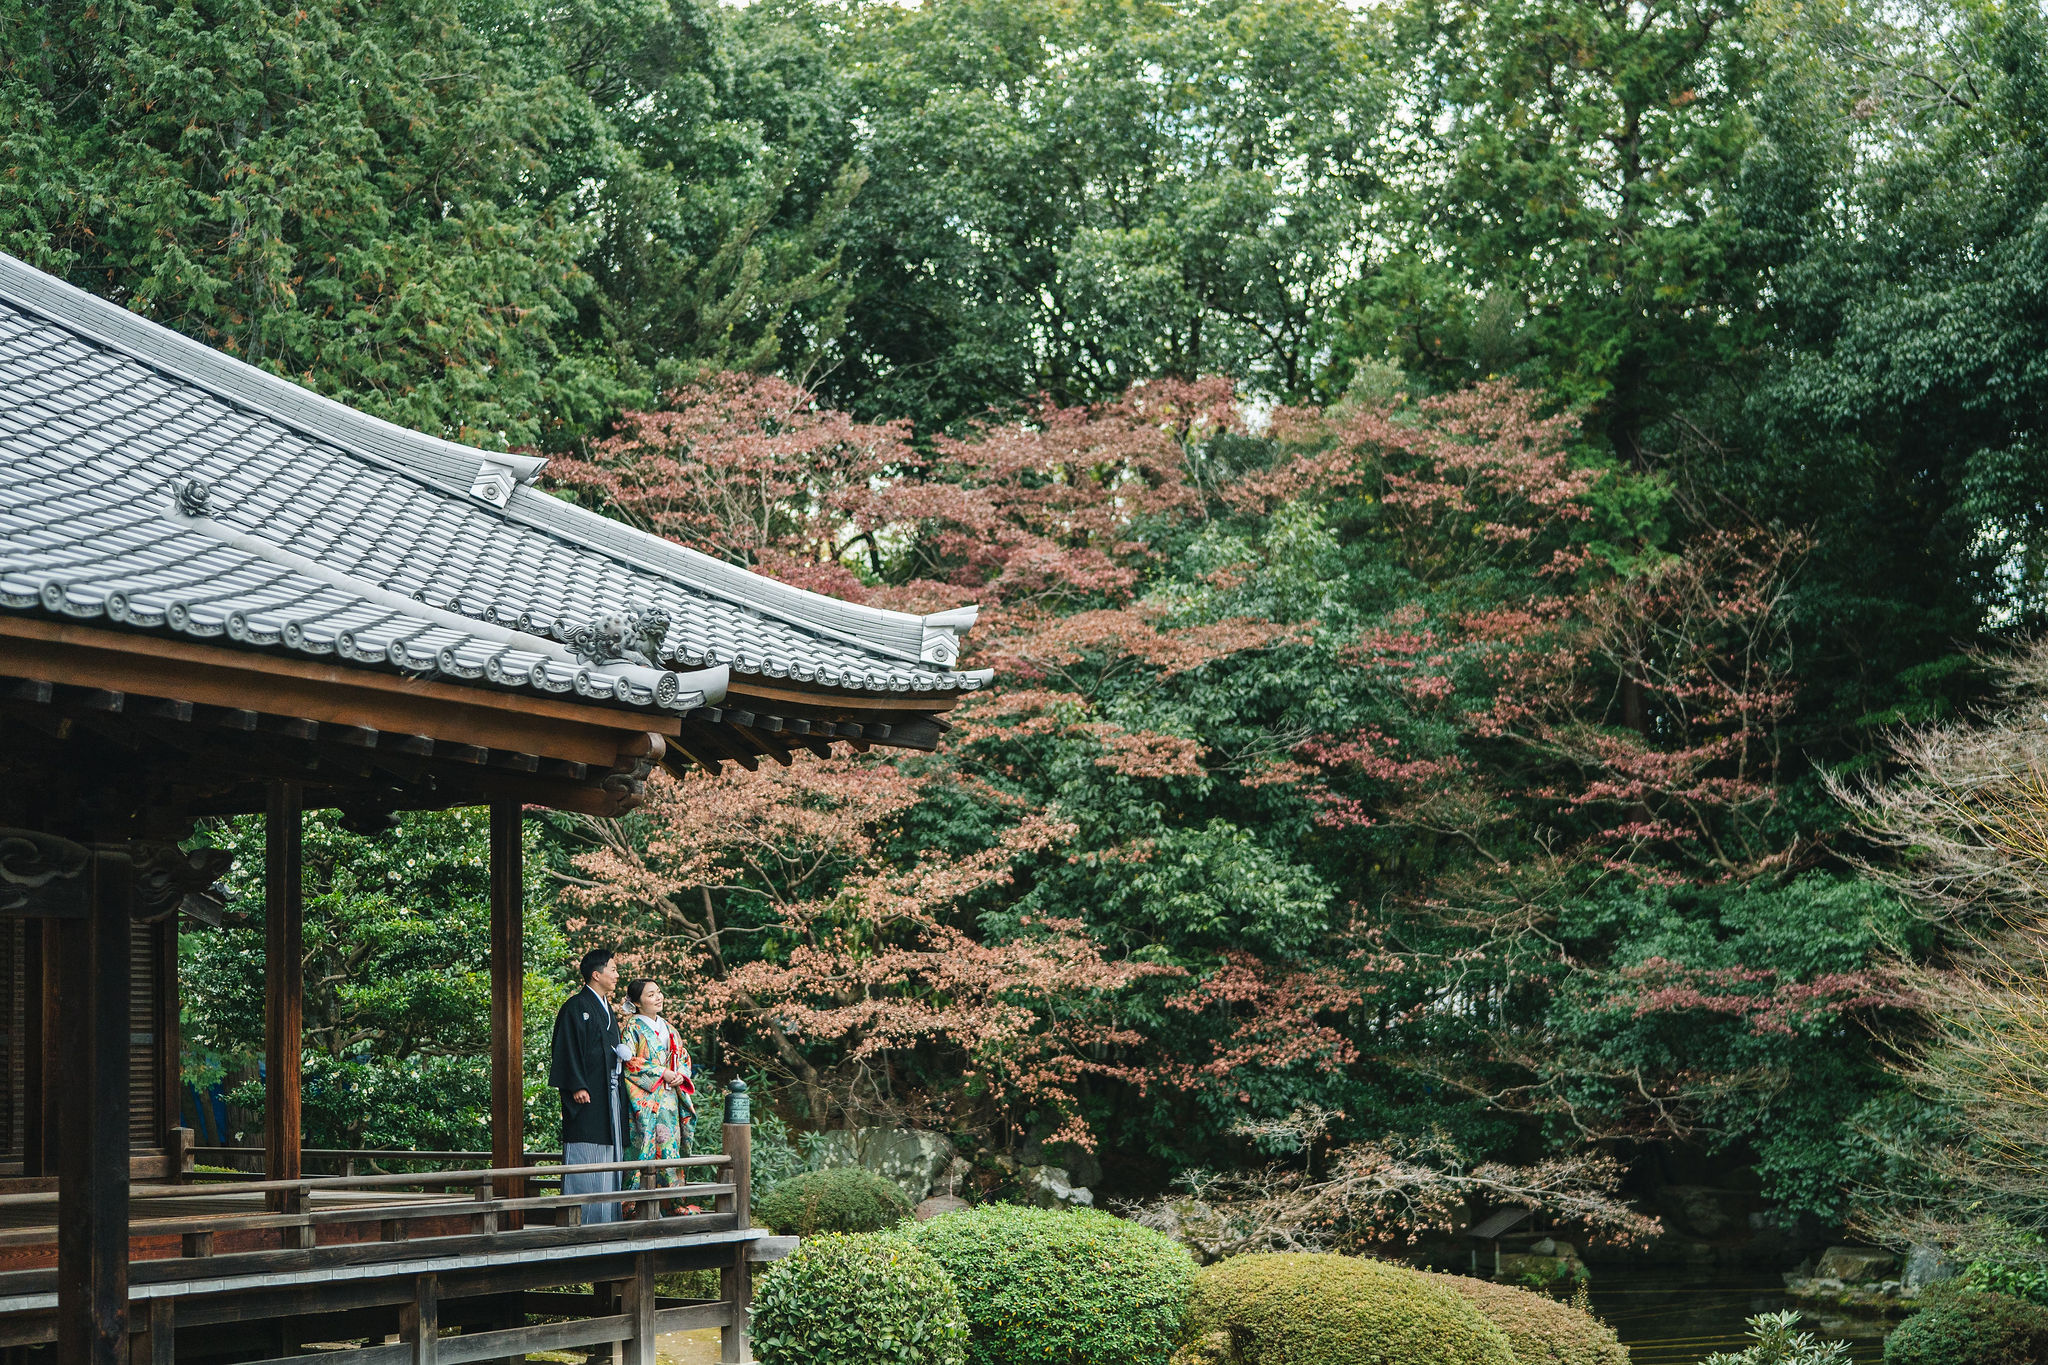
283,982
43,1027
92,1158
508,998
169,1048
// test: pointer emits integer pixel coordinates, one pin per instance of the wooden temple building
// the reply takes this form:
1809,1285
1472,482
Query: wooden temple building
223,594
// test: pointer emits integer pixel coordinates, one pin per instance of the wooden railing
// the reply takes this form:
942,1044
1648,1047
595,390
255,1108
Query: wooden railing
247,1162
483,1211
472,1256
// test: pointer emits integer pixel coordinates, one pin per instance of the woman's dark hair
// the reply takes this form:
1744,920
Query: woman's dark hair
593,962
635,986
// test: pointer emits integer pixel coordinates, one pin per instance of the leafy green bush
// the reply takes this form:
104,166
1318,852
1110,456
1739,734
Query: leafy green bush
857,1300
2020,1279
1541,1330
1069,1286
1970,1327
1778,1342
1311,1309
844,1199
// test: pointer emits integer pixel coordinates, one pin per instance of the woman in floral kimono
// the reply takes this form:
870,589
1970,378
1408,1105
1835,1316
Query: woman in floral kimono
661,1101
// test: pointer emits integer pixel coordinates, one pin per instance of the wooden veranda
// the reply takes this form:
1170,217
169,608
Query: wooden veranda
221,594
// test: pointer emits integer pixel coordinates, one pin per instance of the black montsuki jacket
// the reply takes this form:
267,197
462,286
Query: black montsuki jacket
586,1032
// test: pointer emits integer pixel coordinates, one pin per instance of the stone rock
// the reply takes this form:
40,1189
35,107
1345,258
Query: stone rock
914,1160
1051,1187
1546,1247
1855,1265
1704,1211
1082,1167
954,1178
1925,1265
938,1204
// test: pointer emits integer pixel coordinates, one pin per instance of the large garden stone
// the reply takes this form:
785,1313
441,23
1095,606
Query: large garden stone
938,1204
920,1163
1855,1265
1051,1187
1925,1265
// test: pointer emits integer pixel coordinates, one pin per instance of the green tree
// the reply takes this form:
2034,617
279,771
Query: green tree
1067,198
1567,187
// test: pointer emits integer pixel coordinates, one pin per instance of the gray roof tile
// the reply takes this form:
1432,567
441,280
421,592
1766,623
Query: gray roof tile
327,532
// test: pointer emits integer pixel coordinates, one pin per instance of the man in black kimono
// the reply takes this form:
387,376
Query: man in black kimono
585,1068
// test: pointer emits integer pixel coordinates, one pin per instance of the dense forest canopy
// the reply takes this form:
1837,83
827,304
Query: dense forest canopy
1450,484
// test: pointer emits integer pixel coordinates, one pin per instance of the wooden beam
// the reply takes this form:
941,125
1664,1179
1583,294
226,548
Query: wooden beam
209,675
744,690
753,740
508,999
721,741
92,1160
283,983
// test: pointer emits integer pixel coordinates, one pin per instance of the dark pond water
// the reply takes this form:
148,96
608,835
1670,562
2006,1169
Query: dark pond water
1680,1317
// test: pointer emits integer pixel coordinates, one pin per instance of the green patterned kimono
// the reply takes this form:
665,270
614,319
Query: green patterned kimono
659,1115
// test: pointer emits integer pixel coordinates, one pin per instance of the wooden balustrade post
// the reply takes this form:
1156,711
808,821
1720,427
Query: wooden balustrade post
419,1322
639,1306
735,1279
162,1336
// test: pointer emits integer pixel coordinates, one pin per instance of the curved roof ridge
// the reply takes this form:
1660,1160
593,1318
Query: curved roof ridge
499,479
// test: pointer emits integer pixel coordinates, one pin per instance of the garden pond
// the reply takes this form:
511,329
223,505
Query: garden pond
1679,1317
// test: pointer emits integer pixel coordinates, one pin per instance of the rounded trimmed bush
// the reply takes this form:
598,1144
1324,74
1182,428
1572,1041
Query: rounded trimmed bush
855,1299
843,1199
1306,1308
1971,1327
1066,1286
1540,1330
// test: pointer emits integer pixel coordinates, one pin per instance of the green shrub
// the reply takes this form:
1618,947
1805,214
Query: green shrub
2019,1279
1970,1327
1310,1309
1541,1330
857,1300
1067,1286
1777,1341
844,1199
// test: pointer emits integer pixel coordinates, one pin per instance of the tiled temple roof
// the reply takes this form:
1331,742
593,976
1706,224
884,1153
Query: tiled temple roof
160,485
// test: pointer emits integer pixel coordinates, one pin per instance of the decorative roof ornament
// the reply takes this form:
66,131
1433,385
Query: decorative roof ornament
193,496
941,643
495,479
632,635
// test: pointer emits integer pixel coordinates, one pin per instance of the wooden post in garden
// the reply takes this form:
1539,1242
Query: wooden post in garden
283,985
508,1003
92,1106
736,1285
